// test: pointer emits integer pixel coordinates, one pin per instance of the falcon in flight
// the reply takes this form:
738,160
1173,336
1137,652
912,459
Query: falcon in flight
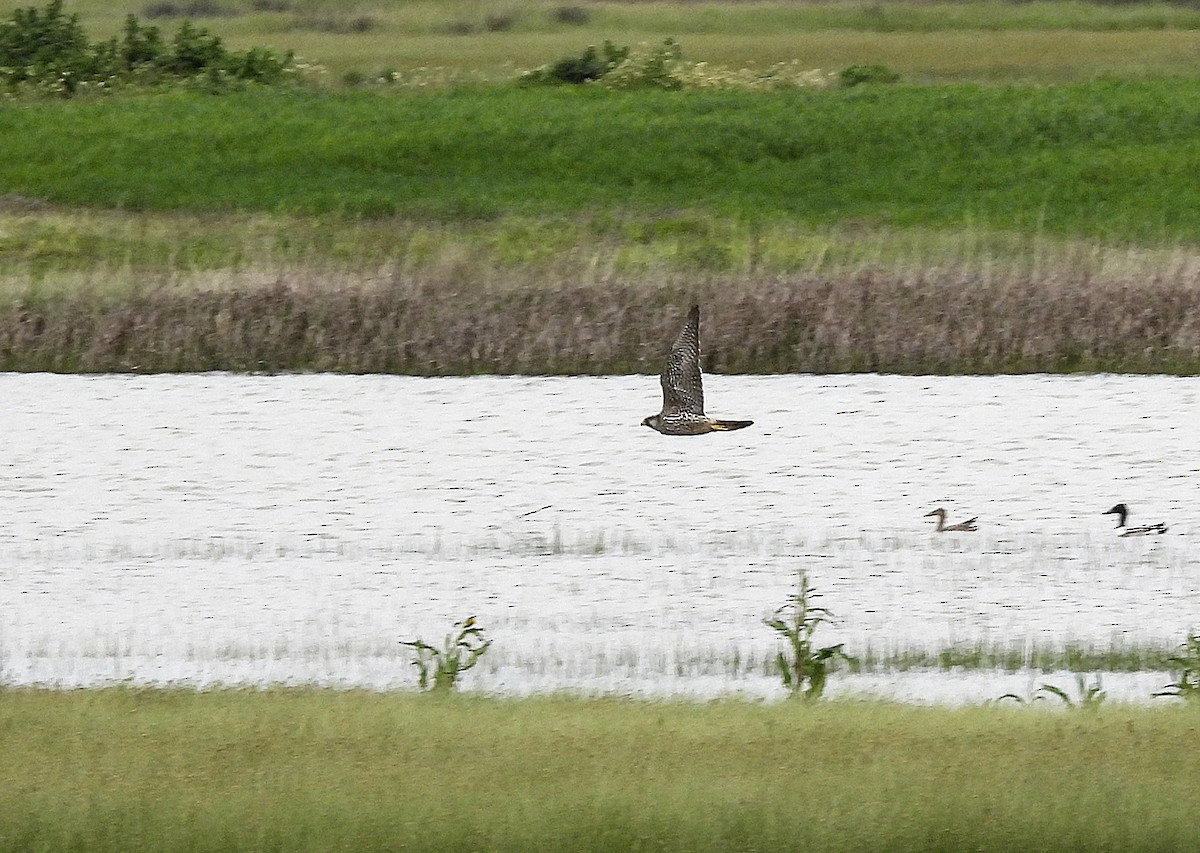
683,395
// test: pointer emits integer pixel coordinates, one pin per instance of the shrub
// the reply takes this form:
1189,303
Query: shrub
856,74
139,45
47,51
339,25
192,51
194,9
573,15
658,69
499,23
591,65
663,67
43,45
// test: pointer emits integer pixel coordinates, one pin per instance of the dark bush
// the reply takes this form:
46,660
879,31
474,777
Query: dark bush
856,74
41,45
194,9
162,10
336,24
192,51
140,45
499,23
575,15
592,64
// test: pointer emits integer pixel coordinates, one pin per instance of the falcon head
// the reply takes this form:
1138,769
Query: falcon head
651,422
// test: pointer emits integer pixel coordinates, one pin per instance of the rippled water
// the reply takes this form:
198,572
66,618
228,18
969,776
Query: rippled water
232,529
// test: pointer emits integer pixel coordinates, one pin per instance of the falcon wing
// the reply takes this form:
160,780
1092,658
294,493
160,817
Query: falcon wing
682,391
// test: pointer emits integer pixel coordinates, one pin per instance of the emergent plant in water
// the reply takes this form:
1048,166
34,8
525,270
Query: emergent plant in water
803,667
1187,684
1088,697
460,651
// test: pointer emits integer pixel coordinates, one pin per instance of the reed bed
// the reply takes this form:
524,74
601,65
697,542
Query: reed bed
955,321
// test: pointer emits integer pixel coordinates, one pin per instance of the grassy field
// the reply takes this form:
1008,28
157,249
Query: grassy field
1108,161
957,227
310,770
912,229
984,41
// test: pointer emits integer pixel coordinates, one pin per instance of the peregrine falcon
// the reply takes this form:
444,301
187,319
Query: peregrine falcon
683,395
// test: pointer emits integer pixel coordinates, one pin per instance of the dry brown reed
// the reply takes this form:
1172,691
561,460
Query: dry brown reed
932,321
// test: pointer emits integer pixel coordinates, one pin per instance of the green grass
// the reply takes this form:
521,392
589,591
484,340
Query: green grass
1108,161
313,770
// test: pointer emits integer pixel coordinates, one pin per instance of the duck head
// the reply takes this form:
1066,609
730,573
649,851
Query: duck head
1121,511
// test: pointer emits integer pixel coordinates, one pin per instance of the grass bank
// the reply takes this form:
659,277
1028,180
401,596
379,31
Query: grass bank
1108,161
311,770
949,230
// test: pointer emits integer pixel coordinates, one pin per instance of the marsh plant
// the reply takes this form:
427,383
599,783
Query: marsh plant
802,666
440,668
1187,683
1088,697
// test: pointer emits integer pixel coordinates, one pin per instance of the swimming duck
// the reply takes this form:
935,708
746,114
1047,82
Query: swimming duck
1122,512
943,527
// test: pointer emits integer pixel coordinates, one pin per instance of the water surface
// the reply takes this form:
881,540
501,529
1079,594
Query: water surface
233,529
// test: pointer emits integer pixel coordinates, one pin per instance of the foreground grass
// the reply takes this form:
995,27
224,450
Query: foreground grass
311,770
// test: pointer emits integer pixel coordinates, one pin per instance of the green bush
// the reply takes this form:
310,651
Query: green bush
47,51
856,74
592,64
44,45
658,69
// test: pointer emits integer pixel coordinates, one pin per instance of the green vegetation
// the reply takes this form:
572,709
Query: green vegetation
1187,666
1110,161
47,51
446,664
489,39
1011,657
123,769
803,667
1088,697
907,228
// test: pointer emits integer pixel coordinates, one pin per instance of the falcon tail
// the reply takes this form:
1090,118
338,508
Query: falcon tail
729,425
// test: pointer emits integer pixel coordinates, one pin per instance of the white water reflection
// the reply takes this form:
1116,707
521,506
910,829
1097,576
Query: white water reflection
224,528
